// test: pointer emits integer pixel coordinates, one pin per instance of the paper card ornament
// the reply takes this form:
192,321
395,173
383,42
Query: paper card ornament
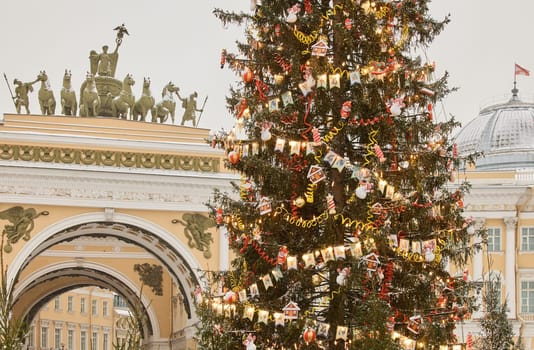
316,174
309,260
267,281
249,313
330,157
320,48
291,311
390,192
372,261
265,206
307,85
279,145
218,308
254,291
417,247
393,240
294,147
309,148
342,332
354,77
334,81
328,254
322,329
414,324
339,252
356,249
404,244
273,104
292,262
263,316
277,273
278,319
242,295
339,164
287,98
429,245
321,81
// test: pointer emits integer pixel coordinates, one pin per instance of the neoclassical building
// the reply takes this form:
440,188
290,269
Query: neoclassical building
501,201
100,204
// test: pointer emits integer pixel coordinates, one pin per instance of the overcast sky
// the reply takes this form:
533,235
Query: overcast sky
179,41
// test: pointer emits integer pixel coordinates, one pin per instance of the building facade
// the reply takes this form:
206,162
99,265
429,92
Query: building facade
501,201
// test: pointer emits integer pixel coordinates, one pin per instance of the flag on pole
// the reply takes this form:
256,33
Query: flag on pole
521,71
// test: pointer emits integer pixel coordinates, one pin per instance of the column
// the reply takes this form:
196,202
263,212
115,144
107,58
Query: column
478,264
509,269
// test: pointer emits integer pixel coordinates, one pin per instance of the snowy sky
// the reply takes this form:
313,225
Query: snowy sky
179,41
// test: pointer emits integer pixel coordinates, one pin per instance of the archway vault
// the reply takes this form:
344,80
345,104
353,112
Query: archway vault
179,262
43,285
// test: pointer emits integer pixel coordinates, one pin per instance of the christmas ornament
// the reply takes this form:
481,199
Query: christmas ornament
316,136
345,109
299,202
361,192
219,216
248,75
348,23
266,131
342,276
309,335
292,13
223,58
233,157
291,311
282,255
249,342
379,153
330,204
230,297
320,48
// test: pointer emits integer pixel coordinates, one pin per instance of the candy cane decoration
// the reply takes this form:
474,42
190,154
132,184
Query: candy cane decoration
379,153
316,135
331,204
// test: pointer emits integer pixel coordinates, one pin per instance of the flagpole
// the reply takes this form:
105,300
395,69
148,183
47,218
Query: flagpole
514,90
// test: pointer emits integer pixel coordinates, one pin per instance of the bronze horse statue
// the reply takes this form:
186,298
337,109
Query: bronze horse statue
69,105
124,102
89,99
46,95
145,103
167,106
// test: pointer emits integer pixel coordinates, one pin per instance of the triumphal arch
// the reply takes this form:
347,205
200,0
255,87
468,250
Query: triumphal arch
97,193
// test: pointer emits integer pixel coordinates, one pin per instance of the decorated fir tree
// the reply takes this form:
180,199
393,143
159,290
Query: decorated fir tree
345,223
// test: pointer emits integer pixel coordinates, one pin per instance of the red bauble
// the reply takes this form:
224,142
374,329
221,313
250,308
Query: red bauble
309,335
233,157
230,297
248,75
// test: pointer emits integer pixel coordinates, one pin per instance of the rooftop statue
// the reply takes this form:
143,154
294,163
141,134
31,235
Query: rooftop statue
46,95
69,105
104,64
167,106
21,98
89,99
190,108
123,104
145,103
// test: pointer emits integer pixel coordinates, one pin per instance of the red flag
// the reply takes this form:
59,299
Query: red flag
521,71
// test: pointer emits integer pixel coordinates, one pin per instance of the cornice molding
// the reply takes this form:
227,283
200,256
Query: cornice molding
90,187
108,158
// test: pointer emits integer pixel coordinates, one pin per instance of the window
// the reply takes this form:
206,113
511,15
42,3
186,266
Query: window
82,305
527,296
57,303
105,309
105,342
44,337
83,340
494,239
94,341
94,307
70,303
119,301
31,337
70,339
57,338
527,239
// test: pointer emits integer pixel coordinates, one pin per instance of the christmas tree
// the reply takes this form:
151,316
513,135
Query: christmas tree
347,219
